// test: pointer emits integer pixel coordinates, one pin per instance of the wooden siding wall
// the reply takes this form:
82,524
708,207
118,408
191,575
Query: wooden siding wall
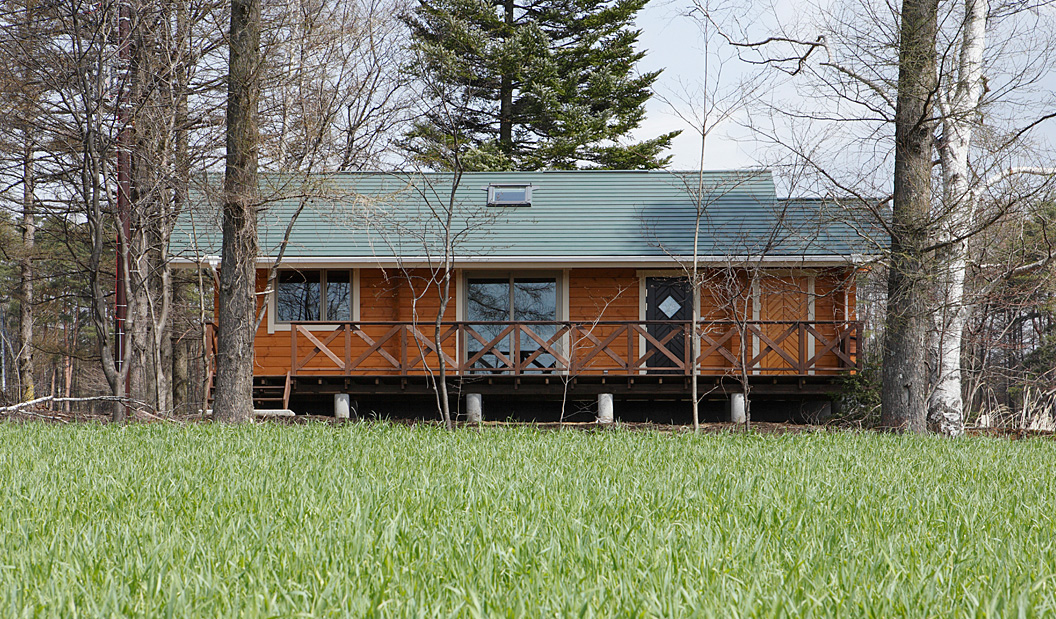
829,306
383,296
602,294
782,298
271,351
593,294
387,295
723,297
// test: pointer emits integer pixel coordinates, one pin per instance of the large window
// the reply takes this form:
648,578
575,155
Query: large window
314,295
506,299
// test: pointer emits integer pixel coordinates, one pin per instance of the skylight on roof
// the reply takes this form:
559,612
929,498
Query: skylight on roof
509,195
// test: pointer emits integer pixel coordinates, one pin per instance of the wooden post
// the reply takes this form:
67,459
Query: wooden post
515,356
802,331
293,349
632,352
348,348
403,349
687,350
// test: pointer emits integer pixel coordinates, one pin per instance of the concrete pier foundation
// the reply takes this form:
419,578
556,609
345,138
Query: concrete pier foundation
342,406
738,408
605,409
474,408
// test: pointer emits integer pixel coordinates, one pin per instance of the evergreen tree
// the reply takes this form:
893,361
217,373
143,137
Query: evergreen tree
532,84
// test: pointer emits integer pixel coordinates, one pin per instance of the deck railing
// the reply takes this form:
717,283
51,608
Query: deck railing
799,348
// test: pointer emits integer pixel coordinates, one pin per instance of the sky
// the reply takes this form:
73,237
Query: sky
673,43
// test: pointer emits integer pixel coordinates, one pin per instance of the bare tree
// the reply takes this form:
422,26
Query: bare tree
1009,326
332,89
97,77
444,223
969,194
72,117
705,110
426,236
332,95
21,93
237,301
918,68
29,146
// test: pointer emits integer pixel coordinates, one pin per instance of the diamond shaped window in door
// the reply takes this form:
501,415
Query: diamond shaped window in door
670,306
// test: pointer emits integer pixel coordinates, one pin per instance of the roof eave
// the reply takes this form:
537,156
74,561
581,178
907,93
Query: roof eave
806,260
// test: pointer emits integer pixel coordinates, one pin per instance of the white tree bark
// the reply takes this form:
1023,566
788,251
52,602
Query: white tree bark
960,117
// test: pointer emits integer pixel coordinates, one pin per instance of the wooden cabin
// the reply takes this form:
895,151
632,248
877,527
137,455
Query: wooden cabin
560,285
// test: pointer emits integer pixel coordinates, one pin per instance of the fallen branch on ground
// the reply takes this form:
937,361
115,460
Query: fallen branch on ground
141,406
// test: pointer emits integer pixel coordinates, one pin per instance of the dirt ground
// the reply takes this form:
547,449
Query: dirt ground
46,415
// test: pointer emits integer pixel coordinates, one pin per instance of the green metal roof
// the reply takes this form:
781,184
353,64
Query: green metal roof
581,214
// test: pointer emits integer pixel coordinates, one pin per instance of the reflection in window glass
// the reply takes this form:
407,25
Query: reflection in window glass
298,295
338,295
509,195
503,300
536,299
488,300
314,295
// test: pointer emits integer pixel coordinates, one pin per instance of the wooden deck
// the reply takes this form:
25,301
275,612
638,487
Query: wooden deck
640,357
630,348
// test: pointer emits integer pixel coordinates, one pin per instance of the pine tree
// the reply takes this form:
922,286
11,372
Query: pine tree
533,84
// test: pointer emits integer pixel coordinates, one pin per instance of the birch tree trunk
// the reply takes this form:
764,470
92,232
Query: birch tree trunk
25,115
904,389
234,357
960,116
25,313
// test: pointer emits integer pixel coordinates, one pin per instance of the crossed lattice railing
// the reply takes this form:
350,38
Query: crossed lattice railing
572,348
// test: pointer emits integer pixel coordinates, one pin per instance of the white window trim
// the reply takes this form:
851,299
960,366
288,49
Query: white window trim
757,310
811,317
561,277
527,194
274,325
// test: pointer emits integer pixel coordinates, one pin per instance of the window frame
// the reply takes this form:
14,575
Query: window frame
511,277
276,324
493,190
561,309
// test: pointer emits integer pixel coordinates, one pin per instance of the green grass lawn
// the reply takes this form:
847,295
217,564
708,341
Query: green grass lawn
374,519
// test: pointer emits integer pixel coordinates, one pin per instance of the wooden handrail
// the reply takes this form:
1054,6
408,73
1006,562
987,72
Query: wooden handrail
575,347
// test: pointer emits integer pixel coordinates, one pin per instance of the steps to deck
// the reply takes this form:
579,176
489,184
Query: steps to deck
269,392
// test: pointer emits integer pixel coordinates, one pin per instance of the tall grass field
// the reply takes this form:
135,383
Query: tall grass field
382,520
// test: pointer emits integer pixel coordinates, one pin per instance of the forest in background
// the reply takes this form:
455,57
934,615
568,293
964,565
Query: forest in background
94,89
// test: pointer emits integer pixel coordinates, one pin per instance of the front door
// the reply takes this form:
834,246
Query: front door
667,299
